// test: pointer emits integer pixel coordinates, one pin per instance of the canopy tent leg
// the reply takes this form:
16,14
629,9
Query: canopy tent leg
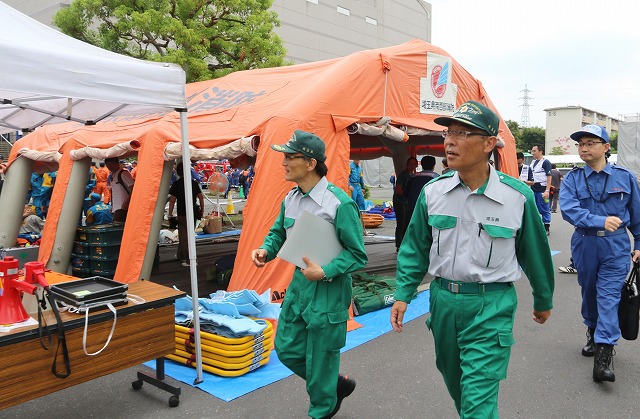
69,216
156,223
191,233
12,200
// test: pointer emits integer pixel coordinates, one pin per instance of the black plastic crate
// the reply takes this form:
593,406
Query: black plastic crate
81,272
105,251
104,273
81,248
80,262
82,234
106,234
103,265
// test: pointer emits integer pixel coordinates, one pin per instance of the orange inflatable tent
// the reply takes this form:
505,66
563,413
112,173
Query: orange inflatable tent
411,84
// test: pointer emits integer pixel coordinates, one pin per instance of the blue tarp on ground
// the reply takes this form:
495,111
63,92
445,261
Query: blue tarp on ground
374,324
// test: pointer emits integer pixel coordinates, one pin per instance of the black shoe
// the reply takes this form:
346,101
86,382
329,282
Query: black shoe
546,227
345,387
590,348
602,369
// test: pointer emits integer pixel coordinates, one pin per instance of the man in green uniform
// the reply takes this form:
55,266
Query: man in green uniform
470,230
313,322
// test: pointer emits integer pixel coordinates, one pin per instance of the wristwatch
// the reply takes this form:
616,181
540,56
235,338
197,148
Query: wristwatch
325,279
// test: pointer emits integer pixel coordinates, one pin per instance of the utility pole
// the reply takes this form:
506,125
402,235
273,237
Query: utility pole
524,121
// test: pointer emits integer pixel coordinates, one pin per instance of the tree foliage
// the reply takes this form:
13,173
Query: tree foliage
208,38
526,137
515,131
613,140
531,136
556,151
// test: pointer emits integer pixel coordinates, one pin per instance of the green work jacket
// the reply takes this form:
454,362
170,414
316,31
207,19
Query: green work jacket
479,236
333,295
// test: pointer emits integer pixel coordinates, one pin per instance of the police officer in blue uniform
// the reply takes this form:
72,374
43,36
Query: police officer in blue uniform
601,201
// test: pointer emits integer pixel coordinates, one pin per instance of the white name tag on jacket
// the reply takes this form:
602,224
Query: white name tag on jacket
313,237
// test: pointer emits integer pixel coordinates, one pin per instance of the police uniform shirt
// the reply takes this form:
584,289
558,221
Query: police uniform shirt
589,197
476,236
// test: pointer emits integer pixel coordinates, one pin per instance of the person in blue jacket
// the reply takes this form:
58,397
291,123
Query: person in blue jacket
356,184
98,212
601,201
41,190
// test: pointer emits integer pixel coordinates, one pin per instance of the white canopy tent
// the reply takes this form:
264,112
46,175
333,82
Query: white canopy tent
47,77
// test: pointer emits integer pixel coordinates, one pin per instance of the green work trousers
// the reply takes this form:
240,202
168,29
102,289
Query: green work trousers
309,338
473,335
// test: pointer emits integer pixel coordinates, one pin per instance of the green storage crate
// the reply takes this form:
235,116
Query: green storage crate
105,251
81,248
80,262
106,233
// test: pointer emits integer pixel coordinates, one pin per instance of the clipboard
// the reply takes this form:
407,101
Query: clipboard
313,237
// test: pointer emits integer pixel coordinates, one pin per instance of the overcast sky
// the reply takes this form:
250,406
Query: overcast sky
567,52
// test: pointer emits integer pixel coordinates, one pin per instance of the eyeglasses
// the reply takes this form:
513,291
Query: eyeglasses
462,134
589,144
288,157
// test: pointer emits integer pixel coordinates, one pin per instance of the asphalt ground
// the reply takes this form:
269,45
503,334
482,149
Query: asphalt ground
396,374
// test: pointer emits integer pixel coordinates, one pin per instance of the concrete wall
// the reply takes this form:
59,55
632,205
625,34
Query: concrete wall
561,122
313,32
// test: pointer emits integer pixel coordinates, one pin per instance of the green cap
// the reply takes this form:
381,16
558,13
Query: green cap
304,143
474,114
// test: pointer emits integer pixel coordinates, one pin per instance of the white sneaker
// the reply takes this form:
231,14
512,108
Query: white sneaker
567,269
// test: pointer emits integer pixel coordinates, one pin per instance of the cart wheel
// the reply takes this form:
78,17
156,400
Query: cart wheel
174,401
137,385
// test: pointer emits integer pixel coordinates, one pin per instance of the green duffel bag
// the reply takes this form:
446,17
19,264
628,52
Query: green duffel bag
372,292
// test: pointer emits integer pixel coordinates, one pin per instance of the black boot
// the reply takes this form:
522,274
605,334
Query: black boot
546,227
590,348
602,370
344,389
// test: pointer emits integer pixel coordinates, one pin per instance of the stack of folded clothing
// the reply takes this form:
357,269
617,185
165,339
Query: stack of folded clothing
236,331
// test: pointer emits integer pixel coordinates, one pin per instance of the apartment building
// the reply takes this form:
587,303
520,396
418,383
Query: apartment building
562,121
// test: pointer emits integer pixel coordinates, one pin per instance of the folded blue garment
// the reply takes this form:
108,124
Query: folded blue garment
184,304
224,313
231,327
270,311
184,317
